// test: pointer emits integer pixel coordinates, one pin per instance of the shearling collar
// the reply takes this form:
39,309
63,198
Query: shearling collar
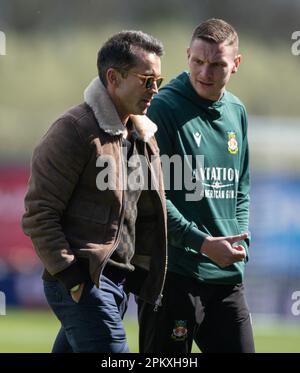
96,96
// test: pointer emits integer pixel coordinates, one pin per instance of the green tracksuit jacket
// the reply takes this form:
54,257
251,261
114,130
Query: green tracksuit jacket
190,125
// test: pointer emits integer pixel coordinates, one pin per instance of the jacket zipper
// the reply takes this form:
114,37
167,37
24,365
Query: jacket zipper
122,211
158,301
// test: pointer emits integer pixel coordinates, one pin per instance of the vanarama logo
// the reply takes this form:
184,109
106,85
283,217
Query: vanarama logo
232,143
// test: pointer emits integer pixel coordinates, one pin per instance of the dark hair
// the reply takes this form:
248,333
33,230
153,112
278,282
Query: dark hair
119,51
216,31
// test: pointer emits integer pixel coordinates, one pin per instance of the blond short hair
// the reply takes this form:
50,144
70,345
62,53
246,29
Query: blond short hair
216,30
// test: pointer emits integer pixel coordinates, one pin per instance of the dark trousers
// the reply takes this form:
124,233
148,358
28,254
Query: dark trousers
216,317
95,323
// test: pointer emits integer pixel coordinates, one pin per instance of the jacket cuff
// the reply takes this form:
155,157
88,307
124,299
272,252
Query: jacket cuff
248,239
245,243
194,238
71,276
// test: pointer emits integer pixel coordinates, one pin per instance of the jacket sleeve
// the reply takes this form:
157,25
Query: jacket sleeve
56,165
181,232
243,198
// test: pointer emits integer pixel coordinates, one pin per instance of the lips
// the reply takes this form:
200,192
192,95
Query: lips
207,84
147,101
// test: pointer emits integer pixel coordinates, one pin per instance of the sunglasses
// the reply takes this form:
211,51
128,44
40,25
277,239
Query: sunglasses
148,80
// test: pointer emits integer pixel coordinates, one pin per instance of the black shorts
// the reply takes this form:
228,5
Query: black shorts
216,317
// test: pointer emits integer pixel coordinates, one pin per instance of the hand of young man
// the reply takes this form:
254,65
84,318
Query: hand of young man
76,295
221,250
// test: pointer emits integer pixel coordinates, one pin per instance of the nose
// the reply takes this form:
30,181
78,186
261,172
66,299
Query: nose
206,71
154,87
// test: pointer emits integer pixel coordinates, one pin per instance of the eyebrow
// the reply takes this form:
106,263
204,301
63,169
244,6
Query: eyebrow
216,61
149,75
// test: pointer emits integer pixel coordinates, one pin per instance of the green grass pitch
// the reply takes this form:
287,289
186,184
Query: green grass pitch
35,330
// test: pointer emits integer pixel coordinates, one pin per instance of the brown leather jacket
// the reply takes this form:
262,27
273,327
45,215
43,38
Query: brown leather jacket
69,220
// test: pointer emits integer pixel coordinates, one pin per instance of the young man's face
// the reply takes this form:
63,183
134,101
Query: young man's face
132,94
211,66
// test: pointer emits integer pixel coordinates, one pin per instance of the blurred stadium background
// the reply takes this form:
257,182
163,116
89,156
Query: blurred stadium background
50,57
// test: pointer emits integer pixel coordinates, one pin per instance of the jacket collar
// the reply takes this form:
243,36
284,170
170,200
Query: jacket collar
96,96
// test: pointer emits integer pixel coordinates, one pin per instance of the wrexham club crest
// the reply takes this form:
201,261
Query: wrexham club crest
232,142
180,330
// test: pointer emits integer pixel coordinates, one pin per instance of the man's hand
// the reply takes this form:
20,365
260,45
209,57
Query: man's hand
221,250
76,295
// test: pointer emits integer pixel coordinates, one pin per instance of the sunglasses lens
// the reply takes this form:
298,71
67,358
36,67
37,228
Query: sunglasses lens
158,82
150,81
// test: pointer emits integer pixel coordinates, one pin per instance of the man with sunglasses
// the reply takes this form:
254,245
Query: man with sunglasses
97,231
196,116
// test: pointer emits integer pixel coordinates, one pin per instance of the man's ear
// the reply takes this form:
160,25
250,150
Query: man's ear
188,52
112,77
237,62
